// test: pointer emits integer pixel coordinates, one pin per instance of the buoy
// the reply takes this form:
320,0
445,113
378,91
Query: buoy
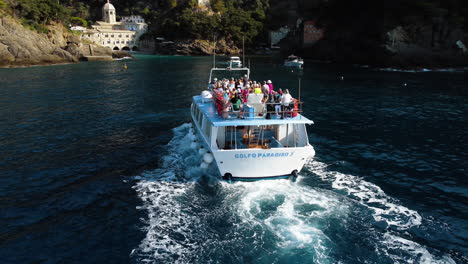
204,165
194,145
342,78
202,151
405,84
192,136
208,157
125,66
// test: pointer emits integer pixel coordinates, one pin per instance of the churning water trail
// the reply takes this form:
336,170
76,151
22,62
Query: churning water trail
169,227
384,209
193,218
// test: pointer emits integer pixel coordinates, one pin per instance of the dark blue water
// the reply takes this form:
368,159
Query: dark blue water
95,167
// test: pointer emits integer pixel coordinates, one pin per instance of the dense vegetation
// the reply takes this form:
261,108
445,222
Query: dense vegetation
249,19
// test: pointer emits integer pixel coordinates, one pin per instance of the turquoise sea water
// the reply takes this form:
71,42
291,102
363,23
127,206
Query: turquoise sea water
95,167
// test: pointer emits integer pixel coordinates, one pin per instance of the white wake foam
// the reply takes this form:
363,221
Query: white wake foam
385,209
401,250
169,226
290,212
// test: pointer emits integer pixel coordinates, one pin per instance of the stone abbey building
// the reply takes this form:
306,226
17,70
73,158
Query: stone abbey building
123,35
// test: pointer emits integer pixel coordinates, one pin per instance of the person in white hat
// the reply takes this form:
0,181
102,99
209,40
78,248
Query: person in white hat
270,86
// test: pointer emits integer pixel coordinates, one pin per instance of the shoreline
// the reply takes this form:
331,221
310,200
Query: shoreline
45,64
382,68
15,66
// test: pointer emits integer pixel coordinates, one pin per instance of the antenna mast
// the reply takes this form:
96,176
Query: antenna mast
299,97
214,52
243,51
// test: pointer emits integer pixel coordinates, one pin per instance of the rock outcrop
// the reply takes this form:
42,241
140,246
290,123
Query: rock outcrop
22,47
423,46
195,47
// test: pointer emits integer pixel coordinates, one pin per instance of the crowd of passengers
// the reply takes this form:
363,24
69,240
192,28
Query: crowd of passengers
235,93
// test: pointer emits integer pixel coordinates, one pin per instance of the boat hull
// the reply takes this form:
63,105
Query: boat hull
293,64
257,164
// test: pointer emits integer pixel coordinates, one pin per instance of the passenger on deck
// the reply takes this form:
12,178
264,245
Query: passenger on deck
265,88
270,85
245,93
286,101
236,102
270,101
245,79
257,88
226,95
212,85
287,98
278,97
232,83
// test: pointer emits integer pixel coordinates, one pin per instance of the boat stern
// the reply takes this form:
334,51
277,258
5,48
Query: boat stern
257,164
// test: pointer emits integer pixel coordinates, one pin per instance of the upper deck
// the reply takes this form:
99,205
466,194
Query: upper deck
209,110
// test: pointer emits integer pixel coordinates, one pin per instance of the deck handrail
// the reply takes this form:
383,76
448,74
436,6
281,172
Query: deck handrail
282,112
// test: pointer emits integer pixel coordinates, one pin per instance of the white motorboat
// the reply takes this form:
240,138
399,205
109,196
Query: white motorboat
234,62
243,144
294,61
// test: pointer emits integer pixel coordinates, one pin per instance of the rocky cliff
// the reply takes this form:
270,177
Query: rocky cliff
398,33
20,46
409,46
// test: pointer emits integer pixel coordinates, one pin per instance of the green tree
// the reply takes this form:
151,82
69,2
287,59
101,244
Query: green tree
218,6
78,21
3,5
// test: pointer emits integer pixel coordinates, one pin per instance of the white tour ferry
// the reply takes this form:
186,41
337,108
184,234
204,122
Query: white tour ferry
244,145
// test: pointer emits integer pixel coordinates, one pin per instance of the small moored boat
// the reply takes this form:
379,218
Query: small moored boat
242,142
294,61
234,62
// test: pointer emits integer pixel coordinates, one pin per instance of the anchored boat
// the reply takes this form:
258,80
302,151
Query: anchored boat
234,62
294,61
242,142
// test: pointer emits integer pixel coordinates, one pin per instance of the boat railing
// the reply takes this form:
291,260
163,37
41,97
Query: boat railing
260,111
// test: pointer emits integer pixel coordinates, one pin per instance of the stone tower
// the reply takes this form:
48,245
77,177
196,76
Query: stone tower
108,13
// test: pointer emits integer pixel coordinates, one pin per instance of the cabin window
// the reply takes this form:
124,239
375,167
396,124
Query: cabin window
262,137
199,117
207,128
196,115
